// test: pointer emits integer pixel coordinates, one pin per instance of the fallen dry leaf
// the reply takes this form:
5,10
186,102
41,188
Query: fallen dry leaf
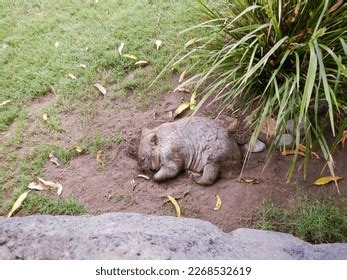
248,181
177,207
269,127
18,203
190,42
141,62
99,156
45,116
157,44
180,80
183,107
60,189
302,148
218,203
183,89
292,152
72,76
143,176
343,138
101,88
52,185
53,159
78,149
5,102
83,65
37,187
131,56
133,184
192,103
120,48
326,180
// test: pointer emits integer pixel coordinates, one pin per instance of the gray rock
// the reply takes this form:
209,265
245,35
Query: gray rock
285,140
135,236
258,148
290,126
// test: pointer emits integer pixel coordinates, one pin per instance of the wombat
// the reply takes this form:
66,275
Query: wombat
196,144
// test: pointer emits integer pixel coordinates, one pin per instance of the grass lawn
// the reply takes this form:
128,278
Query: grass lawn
62,48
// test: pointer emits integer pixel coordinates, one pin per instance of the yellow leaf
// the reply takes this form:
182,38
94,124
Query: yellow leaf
51,184
192,103
177,207
99,156
141,62
120,48
327,179
37,187
158,44
18,203
131,56
302,148
72,76
143,176
182,77
269,127
248,181
191,42
101,88
182,108
218,203
45,116
183,89
292,152
78,149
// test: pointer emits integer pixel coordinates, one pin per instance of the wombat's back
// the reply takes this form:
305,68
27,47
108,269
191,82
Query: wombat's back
200,141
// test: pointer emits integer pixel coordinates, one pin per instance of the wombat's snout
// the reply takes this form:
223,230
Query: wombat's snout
145,166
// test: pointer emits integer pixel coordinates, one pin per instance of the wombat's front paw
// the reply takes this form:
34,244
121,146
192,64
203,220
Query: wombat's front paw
193,175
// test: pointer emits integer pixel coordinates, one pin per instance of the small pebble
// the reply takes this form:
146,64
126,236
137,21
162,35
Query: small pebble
285,140
258,148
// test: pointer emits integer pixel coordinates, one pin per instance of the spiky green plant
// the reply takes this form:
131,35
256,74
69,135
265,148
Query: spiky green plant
275,58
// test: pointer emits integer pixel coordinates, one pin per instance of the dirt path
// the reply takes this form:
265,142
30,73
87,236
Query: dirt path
116,187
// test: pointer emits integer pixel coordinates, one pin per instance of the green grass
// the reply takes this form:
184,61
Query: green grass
43,41
277,59
311,220
40,204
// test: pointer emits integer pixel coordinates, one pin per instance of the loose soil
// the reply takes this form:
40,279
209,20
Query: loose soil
115,186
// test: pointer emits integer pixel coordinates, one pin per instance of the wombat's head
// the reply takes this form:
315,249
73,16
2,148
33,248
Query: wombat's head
148,158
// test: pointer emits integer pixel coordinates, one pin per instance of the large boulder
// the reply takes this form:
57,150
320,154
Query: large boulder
135,236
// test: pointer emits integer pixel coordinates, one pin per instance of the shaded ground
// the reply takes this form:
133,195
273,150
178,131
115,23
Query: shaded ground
116,187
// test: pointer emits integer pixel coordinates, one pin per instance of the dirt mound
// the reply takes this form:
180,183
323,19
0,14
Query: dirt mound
116,187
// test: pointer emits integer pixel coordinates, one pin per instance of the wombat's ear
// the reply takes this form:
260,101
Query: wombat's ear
153,139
